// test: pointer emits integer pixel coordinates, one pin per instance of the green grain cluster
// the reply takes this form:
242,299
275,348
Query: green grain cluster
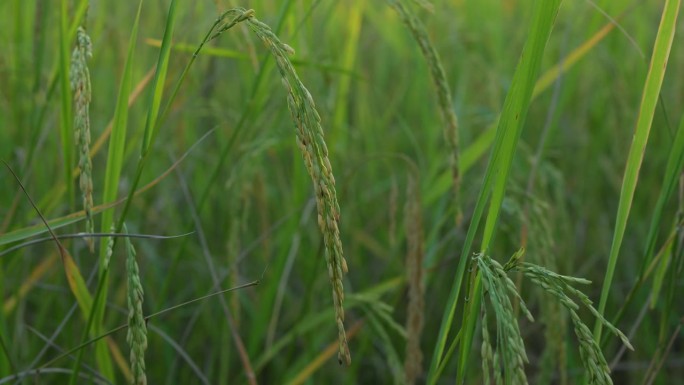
137,326
311,143
559,287
80,85
509,358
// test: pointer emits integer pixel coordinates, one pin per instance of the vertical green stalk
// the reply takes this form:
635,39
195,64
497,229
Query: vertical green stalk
508,132
115,155
649,99
675,164
153,118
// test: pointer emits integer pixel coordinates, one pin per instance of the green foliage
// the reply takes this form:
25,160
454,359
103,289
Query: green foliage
485,126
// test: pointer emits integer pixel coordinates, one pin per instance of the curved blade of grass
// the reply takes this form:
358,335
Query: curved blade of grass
73,274
45,266
550,76
660,274
75,280
117,142
653,260
508,132
211,51
231,54
159,79
27,232
649,99
675,164
135,93
475,150
153,120
147,318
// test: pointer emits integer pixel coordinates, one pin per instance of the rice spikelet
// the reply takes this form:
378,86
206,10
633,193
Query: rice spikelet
510,356
137,328
559,286
80,85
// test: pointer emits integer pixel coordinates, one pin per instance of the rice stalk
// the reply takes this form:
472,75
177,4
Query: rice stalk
649,99
314,150
413,362
441,84
137,328
80,85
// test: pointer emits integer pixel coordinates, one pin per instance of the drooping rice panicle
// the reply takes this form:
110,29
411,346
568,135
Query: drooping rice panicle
310,140
559,286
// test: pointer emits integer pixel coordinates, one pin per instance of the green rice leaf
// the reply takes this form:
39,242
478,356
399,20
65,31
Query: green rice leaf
649,99
508,132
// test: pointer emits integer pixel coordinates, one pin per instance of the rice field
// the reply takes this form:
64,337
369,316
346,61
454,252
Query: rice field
341,192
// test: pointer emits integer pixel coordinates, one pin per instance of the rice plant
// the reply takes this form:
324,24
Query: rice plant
458,131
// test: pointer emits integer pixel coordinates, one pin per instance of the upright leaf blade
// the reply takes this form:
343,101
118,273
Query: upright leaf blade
649,99
508,132
675,164
115,155
159,79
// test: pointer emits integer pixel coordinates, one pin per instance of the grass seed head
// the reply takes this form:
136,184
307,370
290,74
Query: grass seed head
311,143
80,85
137,327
